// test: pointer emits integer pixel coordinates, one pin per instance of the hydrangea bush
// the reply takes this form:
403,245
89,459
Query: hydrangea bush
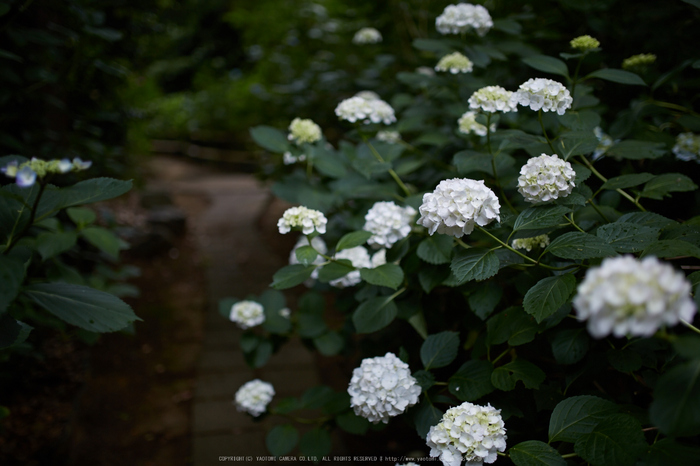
538,260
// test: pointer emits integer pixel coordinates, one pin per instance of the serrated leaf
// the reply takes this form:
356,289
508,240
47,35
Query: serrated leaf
389,275
676,406
662,185
671,248
82,306
334,270
569,346
576,416
282,439
291,275
547,64
637,150
576,143
89,191
474,264
353,239
648,219
484,299
577,245
535,453
540,217
618,76
617,439
374,314
472,380
548,295
505,377
270,138
436,249
627,181
439,349
627,237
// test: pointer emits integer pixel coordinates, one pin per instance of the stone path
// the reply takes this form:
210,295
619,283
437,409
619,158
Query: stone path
240,260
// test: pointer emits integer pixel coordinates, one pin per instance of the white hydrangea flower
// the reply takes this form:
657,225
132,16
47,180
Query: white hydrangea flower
247,314
288,158
467,124
360,258
541,241
318,244
628,296
285,312
365,110
605,142
468,432
456,205
687,147
254,396
455,63
367,36
388,223
493,99
425,71
392,137
302,217
304,130
382,387
368,95
464,17
544,94
545,178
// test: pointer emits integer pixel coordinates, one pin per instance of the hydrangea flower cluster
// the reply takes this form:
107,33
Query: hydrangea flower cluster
365,110
628,296
308,220
467,124
541,241
388,223
392,137
493,99
382,387
687,147
254,396
247,314
638,61
464,17
543,94
360,258
468,432
545,178
455,63
584,43
367,36
26,173
318,244
304,130
456,205
605,142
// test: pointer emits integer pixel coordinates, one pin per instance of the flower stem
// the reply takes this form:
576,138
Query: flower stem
32,215
571,221
493,165
544,131
604,179
690,326
379,158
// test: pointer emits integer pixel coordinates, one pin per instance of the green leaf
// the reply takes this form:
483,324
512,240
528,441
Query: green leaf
662,185
439,350
310,316
627,237
260,354
270,138
505,377
85,307
668,451
291,275
627,181
624,360
579,120
617,76
671,248
334,270
484,299
548,295
432,45
576,416
512,325
576,245
436,249
282,439
374,314
637,150
273,302
92,190
11,278
547,64
52,244
327,162
648,219
329,344
316,442
676,406
570,346
352,423
431,276
576,143
474,264
425,379
306,255
535,453
472,380
617,439
389,275
688,346
12,332
427,415
354,239
81,216
540,217
469,161
102,239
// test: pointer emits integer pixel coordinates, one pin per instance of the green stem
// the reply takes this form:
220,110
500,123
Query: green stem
501,355
393,174
14,239
571,221
575,78
493,165
462,243
508,247
690,326
569,455
604,179
544,131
